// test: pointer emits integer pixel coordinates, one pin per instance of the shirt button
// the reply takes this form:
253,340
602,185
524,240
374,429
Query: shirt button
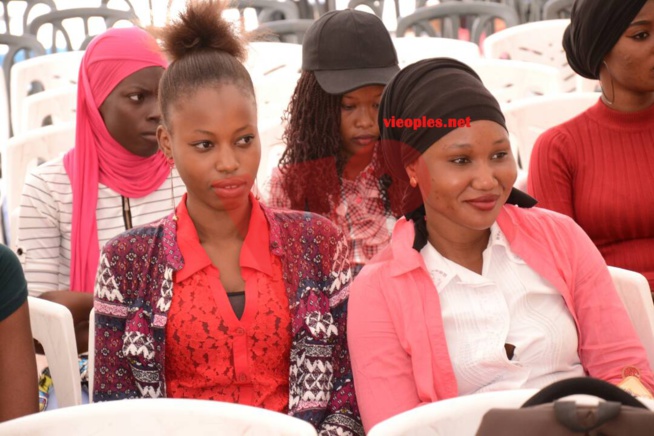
240,331
274,245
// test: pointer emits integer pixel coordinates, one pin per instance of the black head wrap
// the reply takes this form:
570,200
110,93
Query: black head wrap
595,27
434,88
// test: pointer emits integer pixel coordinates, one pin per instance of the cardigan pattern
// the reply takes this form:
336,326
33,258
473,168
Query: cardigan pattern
134,290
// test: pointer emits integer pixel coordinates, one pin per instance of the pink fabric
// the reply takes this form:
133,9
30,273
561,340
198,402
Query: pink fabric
397,345
97,157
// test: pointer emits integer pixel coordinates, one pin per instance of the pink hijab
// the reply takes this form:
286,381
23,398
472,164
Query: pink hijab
97,157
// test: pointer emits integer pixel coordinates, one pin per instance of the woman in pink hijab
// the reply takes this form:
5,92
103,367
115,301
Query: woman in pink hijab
113,179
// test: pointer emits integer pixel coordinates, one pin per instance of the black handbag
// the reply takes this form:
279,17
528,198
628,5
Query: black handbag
542,415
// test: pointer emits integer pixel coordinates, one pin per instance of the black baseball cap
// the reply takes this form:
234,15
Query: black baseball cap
349,49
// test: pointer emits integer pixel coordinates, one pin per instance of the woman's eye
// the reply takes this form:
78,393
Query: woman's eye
500,155
640,36
136,97
347,107
460,160
202,145
245,141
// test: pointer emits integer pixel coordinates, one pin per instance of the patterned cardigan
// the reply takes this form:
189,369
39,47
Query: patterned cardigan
134,289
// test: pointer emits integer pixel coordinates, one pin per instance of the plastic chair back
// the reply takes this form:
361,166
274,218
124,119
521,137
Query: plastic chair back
481,14
514,80
14,13
74,37
49,107
526,119
410,50
43,73
52,326
25,152
267,58
285,30
636,296
557,9
161,416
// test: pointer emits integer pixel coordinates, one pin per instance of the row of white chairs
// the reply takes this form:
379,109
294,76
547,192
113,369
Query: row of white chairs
52,325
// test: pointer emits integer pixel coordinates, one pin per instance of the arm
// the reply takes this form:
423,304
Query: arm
113,378
18,376
343,413
383,374
551,172
608,341
39,236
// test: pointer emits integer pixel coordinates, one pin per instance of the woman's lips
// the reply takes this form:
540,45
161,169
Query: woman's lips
484,203
365,139
230,188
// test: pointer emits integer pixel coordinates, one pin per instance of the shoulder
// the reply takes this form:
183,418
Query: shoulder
52,170
537,220
13,287
141,238
294,220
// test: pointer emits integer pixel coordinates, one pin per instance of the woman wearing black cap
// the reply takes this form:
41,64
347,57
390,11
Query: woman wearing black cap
474,293
330,165
597,167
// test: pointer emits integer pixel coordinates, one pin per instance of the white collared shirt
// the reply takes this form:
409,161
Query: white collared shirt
508,303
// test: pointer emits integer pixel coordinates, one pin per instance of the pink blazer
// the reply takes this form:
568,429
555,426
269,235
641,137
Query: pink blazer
397,345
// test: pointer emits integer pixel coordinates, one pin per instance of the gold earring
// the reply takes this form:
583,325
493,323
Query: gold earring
413,182
604,97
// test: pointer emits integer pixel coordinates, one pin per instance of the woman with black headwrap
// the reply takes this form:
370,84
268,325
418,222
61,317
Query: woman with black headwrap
475,293
598,167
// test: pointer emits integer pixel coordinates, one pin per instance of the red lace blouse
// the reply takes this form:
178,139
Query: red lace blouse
210,353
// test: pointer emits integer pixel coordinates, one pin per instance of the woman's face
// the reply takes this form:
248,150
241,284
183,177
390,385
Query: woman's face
212,136
359,129
466,177
630,62
131,111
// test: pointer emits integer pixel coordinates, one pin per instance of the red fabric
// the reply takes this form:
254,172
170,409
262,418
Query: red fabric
97,157
210,353
598,169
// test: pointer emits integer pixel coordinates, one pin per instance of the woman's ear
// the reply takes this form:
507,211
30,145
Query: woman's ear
411,170
163,138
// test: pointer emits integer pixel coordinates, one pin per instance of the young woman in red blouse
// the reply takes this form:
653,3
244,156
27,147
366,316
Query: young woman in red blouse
225,299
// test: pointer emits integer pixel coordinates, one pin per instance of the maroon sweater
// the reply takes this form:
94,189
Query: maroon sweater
598,168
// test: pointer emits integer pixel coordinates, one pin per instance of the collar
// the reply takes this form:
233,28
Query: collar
254,252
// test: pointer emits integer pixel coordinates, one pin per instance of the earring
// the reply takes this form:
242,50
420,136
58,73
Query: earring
413,182
171,164
605,99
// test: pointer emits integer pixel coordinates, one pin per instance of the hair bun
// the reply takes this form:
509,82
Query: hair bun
201,27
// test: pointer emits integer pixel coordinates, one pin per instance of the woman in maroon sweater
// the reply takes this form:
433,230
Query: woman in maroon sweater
598,167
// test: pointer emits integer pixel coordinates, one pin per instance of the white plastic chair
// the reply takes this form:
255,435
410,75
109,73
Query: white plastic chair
4,112
458,416
526,119
52,326
414,49
25,152
265,58
634,291
272,148
163,416
49,72
59,105
538,42
511,80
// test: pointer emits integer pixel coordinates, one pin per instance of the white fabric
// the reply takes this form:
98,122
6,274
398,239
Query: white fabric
45,222
508,303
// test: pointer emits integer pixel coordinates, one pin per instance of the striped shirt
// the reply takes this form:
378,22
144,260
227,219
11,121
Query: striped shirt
44,225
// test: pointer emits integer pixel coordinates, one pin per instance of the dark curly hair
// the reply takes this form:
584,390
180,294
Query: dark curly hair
312,164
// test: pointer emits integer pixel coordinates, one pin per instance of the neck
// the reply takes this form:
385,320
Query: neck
625,101
219,225
355,163
463,247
